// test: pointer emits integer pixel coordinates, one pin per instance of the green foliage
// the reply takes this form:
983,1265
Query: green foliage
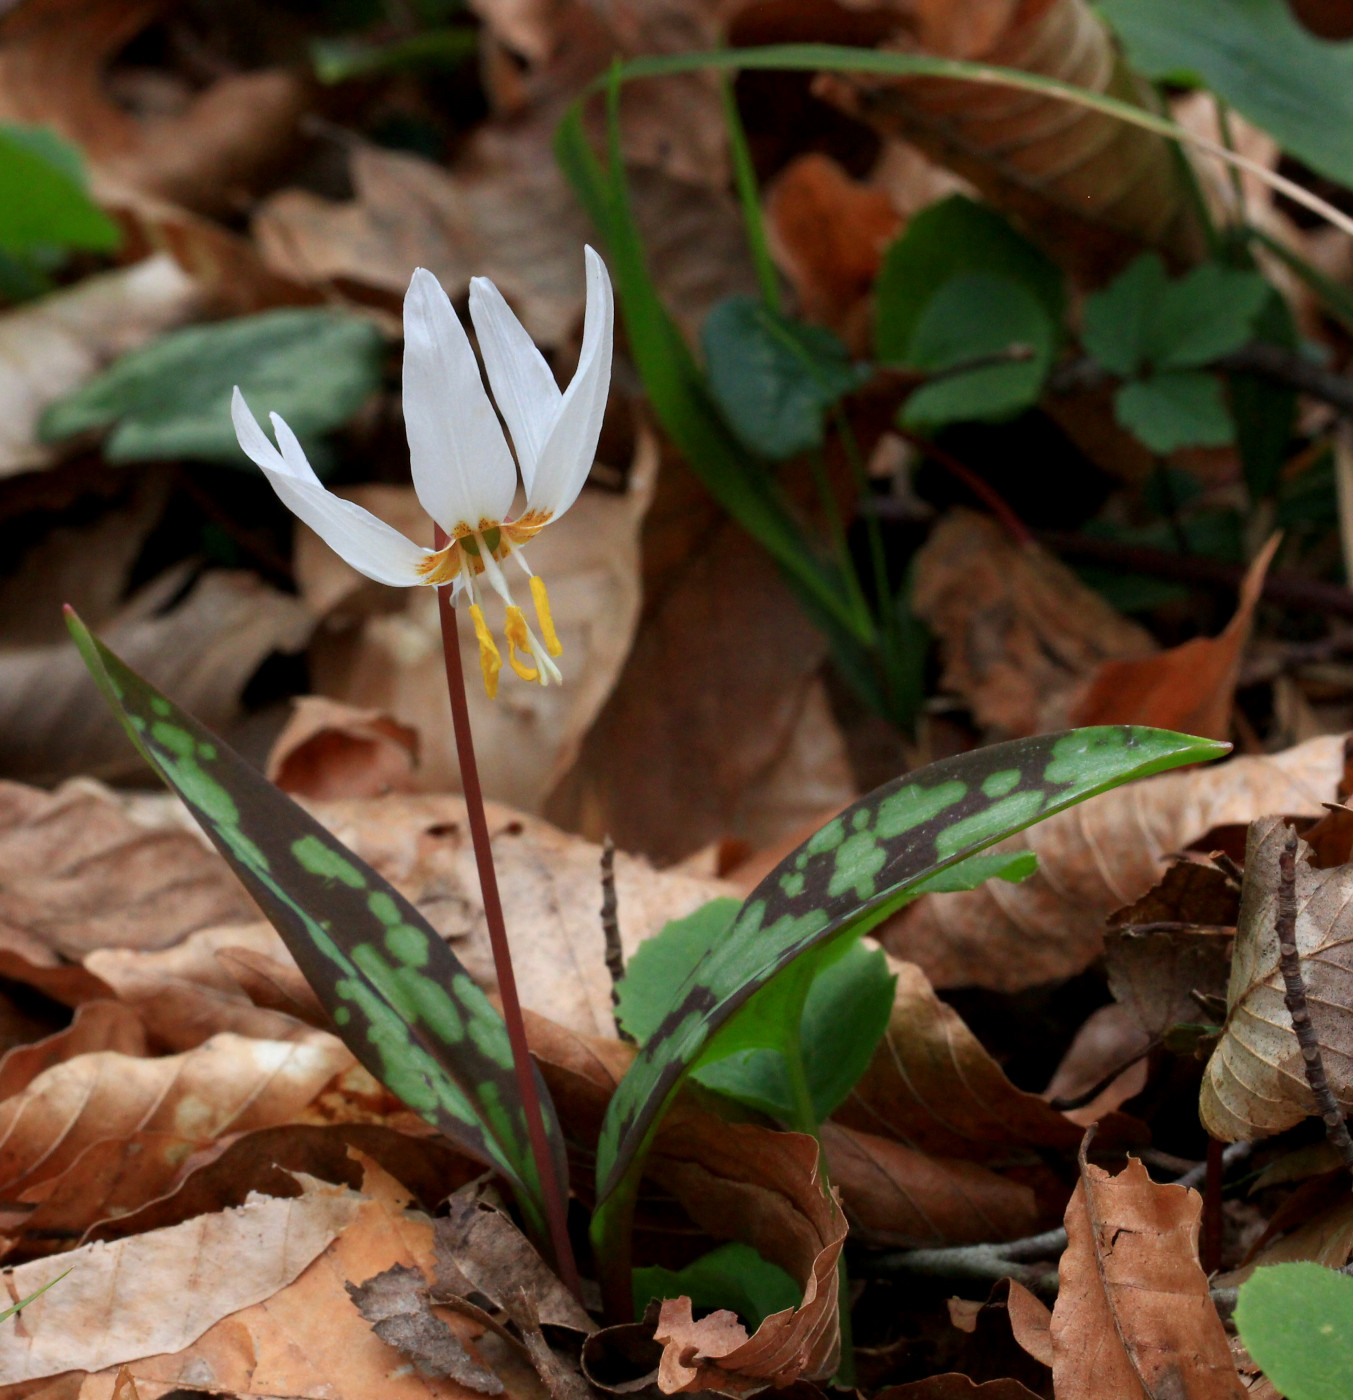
1255,55
38,1292
402,1001
734,1276
774,378
1156,334
44,203
341,59
172,398
1296,1320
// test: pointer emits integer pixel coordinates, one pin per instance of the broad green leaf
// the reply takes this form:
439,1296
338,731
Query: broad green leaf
973,315
172,398
1116,325
870,856
1255,55
43,200
1296,1320
1205,314
954,236
402,1001
734,1276
1176,408
774,378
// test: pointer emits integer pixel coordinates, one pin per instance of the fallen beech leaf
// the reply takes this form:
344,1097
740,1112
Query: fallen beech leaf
161,1291
828,233
1255,1083
1133,1315
1017,629
1030,1321
97,1025
395,1303
308,1340
51,346
331,750
951,1385
273,984
229,1084
1094,859
1189,688
1107,1041
391,661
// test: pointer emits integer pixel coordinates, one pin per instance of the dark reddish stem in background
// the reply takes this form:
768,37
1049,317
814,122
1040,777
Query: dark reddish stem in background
1210,1244
556,1212
982,489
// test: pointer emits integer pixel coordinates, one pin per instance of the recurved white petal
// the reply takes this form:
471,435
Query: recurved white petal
523,386
567,455
370,545
462,469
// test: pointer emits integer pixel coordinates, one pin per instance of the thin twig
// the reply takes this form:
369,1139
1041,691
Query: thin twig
1290,962
556,1210
610,930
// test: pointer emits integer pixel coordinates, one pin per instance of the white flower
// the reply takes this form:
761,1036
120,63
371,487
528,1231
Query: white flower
463,471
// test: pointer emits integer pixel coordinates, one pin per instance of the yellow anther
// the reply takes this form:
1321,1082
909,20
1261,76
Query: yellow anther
542,602
489,660
518,639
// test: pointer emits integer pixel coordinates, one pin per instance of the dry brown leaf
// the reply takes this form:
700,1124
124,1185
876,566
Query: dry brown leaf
952,1385
1108,1040
1189,688
273,984
1030,1321
202,652
51,346
1093,859
308,1340
740,1181
1134,1320
1255,1082
161,1291
1091,188
97,1025
1017,629
331,750
374,657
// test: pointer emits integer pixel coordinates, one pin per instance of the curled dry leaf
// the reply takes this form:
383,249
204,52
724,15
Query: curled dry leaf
391,661
1094,859
331,750
52,345
1134,1317
1017,629
1110,1046
159,1292
1255,1082
96,1025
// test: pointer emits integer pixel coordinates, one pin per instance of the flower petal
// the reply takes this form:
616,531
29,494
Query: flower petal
462,469
566,457
370,545
523,386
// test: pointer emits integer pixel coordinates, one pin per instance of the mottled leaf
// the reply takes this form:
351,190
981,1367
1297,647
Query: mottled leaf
402,1001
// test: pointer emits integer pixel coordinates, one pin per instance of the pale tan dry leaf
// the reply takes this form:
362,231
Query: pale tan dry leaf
309,1341
1324,1238
710,732
273,984
1030,1321
97,1025
331,750
202,652
51,346
740,1181
1134,1319
1255,1083
1093,859
1017,629
159,1292
227,1085
1091,188
391,660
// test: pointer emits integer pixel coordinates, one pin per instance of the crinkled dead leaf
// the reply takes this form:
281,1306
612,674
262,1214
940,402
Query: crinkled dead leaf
1133,1317
159,1292
52,345
1017,629
1255,1082
1094,859
332,750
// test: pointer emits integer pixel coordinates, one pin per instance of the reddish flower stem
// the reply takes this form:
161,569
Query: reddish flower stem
556,1210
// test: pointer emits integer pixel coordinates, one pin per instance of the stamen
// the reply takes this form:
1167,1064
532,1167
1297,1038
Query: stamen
517,639
542,602
490,663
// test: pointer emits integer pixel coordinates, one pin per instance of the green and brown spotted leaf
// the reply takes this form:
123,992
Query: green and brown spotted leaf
862,866
402,1001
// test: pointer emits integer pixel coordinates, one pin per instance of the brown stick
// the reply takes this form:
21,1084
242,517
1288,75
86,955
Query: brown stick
556,1211
1290,961
610,931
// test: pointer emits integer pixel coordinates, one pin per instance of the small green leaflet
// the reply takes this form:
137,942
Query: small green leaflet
402,1001
1296,1320
869,856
